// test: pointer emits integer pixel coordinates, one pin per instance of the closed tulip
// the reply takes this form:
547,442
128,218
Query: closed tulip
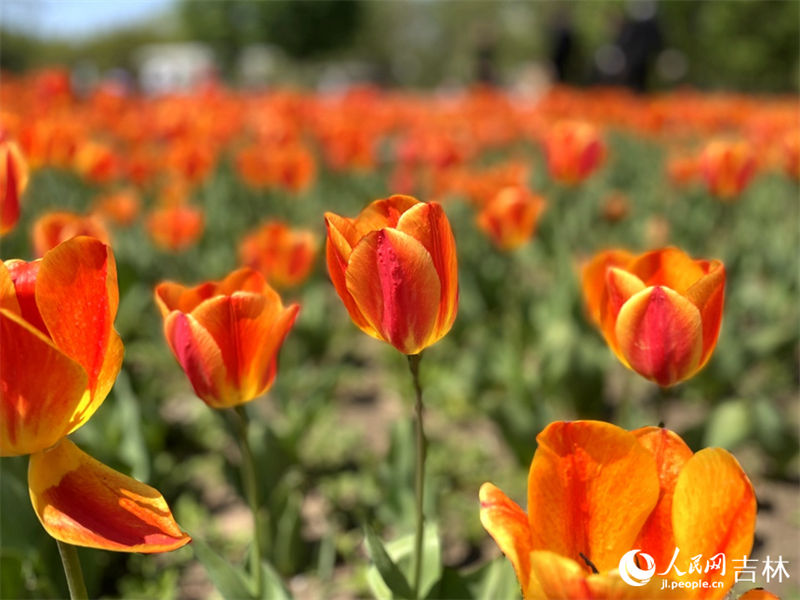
511,216
597,493
226,334
727,167
60,358
659,312
284,256
394,267
574,151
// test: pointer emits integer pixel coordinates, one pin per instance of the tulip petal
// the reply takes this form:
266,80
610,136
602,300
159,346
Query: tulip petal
591,487
248,329
201,359
382,214
708,295
593,279
41,388
171,296
659,332
77,295
671,454
337,253
428,224
713,511
555,577
394,283
668,267
23,276
508,524
758,594
620,287
8,294
83,502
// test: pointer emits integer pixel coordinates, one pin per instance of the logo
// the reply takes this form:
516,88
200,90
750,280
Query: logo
630,571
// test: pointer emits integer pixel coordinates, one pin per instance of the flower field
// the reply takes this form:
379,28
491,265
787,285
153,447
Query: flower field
582,255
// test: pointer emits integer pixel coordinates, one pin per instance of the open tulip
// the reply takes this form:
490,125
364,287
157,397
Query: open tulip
226,334
394,267
510,217
60,358
597,493
659,312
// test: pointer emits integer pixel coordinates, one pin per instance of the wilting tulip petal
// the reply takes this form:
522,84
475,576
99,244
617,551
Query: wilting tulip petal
591,488
671,454
508,524
77,296
83,502
396,287
660,334
41,388
554,577
713,511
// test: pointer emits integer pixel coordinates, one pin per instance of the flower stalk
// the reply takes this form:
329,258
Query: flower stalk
72,571
419,485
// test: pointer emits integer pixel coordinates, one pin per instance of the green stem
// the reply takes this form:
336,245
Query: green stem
251,492
413,365
72,571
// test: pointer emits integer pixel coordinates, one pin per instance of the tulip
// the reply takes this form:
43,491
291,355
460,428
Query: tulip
97,162
283,256
226,334
596,493
60,358
659,312
727,167
13,181
510,218
758,594
52,228
394,267
120,207
175,228
574,151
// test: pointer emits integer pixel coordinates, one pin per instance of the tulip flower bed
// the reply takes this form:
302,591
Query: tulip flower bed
573,253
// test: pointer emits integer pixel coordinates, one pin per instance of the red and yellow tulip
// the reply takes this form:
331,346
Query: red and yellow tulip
574,151
727,167
226,334
660,312
597,492
284,256
511,216
60,358
394,267
13,181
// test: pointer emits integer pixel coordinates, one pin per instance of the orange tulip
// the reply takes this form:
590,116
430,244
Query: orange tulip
226,334
758,594
283,256
601,498
121,206
574,151
97,162
13,181
52,228
660,312
394,267
727,167
60,358
510,217
175,228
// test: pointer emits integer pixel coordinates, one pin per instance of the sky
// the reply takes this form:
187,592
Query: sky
76,18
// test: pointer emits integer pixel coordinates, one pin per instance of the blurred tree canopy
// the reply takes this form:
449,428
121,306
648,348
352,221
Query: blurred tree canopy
301,29
751,45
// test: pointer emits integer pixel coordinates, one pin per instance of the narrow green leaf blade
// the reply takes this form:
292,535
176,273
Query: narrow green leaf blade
230,581
389,572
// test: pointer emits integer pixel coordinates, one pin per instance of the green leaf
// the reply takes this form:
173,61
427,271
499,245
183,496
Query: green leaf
230,581
390,575
401,552
273,584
